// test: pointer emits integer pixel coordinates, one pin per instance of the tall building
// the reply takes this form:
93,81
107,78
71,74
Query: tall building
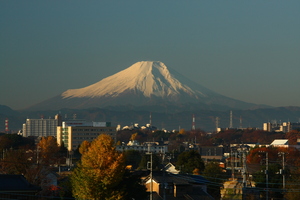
41,127
73,133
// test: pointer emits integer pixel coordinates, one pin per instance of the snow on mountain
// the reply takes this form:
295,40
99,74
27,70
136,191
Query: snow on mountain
145,83
148,77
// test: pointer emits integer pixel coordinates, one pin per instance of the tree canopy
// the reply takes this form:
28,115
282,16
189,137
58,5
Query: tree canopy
48,148
215,175
100,171
15,141
133,158
188,161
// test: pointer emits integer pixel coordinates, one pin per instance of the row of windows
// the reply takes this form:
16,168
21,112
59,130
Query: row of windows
83,138
77,143
160,150
140,147
101,130
91,133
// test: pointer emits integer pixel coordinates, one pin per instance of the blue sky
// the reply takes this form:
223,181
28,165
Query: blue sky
247,50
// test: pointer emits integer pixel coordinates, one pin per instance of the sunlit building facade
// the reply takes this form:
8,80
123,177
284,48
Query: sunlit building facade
281,127
41,127
72,134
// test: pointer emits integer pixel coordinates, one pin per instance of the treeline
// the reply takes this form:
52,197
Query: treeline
202,138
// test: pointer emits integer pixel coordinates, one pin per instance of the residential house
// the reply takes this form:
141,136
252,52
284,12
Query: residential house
177,186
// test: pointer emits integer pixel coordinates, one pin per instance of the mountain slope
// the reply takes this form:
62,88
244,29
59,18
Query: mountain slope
146,83
149,78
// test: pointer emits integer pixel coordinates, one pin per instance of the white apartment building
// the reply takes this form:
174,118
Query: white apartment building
41,127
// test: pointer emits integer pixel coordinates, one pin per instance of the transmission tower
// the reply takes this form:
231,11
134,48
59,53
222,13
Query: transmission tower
193,123
230,120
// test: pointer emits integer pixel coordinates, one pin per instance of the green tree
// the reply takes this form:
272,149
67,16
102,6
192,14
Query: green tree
132,157
188,161
100,171
161,135
215,175
274,180
132,186
292,186
146,158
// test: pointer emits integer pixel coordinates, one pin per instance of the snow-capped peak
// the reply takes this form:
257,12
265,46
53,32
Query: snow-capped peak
151,78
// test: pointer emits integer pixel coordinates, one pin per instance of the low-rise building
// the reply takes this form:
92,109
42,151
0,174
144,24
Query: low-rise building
72,134
212,153
153,147
177,186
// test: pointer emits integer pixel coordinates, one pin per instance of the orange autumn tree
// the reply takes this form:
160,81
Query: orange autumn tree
47,150
99,172
84,147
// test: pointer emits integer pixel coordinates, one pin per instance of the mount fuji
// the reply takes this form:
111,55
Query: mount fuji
145,84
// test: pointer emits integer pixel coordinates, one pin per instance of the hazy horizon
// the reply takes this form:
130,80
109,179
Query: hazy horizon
244,50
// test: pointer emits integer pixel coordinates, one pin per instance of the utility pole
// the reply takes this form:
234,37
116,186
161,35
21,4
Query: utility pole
217,123
244,168
267,175
37,154
283,169
232,166
230,120
235,159
164,176
150,167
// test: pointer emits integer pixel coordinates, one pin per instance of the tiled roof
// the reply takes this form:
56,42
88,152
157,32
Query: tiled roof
178,179
15,182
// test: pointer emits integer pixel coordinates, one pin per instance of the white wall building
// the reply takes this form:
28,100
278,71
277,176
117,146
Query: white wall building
41,127
153,147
